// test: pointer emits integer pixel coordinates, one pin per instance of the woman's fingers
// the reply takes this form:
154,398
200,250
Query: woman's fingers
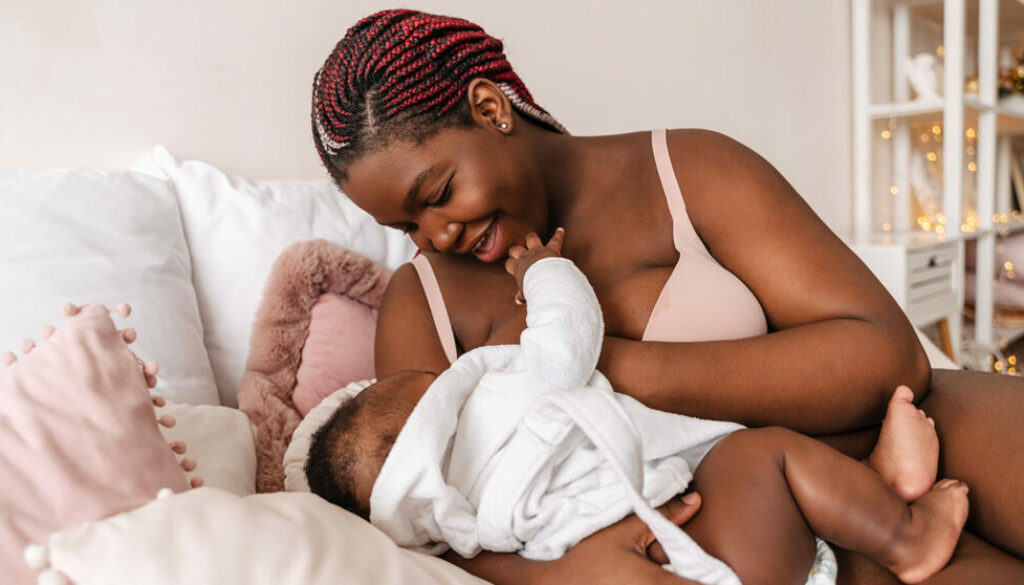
678,511
620,553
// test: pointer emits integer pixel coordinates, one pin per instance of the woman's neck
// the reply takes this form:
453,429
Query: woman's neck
569,167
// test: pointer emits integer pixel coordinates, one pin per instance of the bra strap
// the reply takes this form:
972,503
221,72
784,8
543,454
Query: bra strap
683,234
436,302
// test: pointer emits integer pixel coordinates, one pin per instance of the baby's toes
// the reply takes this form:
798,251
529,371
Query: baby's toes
946,484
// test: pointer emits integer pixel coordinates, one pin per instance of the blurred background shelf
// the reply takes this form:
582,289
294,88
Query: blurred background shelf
969,140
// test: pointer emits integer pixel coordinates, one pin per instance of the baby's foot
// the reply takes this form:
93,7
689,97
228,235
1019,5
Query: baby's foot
907,452
924,545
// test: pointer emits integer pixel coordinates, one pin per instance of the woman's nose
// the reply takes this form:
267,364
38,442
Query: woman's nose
446,236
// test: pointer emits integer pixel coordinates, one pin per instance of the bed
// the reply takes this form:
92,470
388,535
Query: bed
259,294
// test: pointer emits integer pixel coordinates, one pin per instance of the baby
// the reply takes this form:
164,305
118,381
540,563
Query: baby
527,449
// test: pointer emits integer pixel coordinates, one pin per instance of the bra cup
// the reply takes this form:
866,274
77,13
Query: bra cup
701,301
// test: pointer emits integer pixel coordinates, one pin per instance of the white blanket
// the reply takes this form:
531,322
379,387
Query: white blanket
527,448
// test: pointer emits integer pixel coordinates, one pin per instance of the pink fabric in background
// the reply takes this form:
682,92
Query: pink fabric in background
338,349
288,319
78,438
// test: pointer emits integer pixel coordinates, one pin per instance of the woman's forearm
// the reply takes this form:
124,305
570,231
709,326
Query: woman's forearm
825,377
500,569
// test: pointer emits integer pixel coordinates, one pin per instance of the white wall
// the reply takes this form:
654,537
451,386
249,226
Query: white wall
97,83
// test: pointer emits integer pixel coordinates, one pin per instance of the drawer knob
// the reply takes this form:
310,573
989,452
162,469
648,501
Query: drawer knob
933,262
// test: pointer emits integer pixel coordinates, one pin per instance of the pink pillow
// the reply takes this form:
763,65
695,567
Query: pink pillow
338,349
78,437
313,334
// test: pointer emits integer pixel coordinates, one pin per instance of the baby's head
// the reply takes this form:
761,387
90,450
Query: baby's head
348,451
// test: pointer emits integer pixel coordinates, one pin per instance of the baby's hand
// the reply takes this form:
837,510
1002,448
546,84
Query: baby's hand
520,259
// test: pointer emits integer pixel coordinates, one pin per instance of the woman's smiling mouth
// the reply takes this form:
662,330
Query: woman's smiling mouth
489,247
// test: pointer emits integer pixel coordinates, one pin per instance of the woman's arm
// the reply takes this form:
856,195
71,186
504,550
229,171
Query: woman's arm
406,337
622,554
838,342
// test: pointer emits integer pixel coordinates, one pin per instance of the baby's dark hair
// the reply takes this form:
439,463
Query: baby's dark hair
404,74
330,467
347,452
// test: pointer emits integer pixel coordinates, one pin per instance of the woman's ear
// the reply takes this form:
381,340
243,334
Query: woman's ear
489,105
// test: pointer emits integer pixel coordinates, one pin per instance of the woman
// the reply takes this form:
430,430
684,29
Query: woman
737,303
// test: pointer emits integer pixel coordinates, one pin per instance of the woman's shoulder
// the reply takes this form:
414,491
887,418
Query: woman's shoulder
700,150
723,181
470,293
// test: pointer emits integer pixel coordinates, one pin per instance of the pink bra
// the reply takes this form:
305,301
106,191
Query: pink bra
701,301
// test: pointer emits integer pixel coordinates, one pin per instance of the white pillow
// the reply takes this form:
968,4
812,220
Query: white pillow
107,237
220,440
209,537
302,437
936,357
235,230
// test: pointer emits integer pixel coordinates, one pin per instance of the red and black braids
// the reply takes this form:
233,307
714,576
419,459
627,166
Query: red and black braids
404,73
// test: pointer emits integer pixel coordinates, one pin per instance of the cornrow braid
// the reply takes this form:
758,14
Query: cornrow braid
404,73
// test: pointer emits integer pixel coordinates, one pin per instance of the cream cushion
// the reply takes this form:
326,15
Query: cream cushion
210,537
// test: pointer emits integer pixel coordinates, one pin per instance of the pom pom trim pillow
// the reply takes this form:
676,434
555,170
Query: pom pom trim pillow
78,435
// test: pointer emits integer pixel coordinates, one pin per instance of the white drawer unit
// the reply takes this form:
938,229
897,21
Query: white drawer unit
924,276
930,274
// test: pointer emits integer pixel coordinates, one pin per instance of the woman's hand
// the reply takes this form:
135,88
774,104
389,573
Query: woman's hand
520,258
622,554
625,552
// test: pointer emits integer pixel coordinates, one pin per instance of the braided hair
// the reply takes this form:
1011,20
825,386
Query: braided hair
403,74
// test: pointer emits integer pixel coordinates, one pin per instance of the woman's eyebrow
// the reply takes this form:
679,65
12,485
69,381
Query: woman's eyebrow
409,203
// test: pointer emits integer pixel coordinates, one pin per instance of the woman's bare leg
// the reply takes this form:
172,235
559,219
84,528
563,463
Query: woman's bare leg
760,485
974,561
978,420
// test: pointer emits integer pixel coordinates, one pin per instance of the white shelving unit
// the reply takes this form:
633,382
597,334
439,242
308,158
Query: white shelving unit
935,292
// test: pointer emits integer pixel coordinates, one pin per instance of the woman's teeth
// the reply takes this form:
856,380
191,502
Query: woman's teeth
485,240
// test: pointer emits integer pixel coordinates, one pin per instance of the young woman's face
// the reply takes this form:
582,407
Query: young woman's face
463,191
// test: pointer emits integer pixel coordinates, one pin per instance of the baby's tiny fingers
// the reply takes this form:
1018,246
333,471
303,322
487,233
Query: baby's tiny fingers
556,241
510,265
516,251
533,241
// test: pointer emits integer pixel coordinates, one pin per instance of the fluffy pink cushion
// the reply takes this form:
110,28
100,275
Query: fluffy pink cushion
338,349
78,437
318,295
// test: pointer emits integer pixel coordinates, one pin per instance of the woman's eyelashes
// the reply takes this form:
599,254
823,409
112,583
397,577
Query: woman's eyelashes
445,194
437,200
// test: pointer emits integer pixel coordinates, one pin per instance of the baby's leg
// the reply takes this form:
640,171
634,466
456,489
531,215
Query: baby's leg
767,491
